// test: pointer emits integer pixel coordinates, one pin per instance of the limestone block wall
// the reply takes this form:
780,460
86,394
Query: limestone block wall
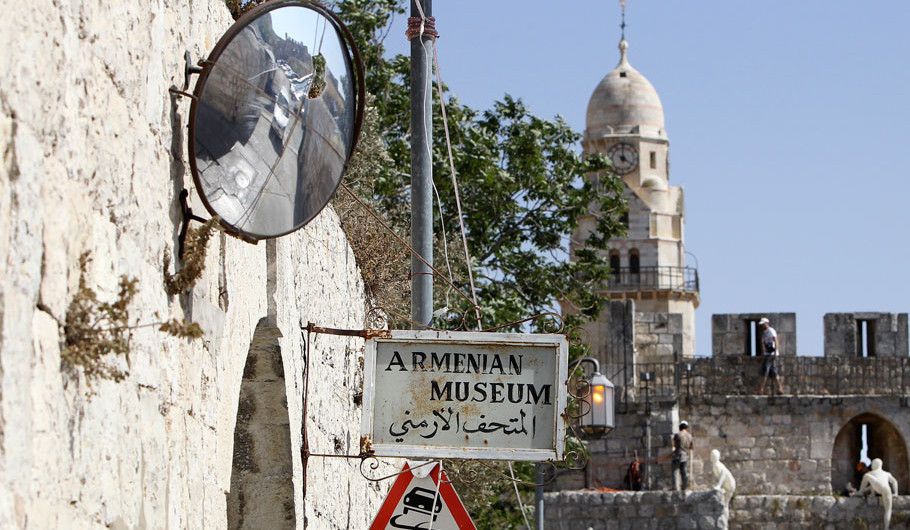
611,339
93,158
887,331
729,332
789,445
791,512
610,456
571,510
658,336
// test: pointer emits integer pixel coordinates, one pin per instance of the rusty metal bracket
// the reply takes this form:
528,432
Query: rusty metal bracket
189,69
188,216
363,333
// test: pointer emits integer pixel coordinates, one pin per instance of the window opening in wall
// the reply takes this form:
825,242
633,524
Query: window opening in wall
622,74
864,452
624,219
753,340
862,439
865,338
653,160
634,262
614,264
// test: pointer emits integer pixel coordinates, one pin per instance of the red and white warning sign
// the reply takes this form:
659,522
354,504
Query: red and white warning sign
420,501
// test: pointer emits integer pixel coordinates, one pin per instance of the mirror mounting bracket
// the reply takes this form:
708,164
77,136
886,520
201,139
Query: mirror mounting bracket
188,216
189,69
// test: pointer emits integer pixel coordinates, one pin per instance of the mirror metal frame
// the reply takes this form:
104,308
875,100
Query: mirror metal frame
355,63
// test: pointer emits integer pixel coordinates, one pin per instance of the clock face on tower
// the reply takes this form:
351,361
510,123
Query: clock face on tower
624,157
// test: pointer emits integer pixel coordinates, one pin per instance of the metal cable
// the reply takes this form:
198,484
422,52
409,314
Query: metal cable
464,237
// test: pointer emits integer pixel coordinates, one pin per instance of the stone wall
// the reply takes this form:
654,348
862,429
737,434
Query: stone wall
611,455
578,510
658,336
888,332
787,512
611,336
729,332
571,510
787,445
93,158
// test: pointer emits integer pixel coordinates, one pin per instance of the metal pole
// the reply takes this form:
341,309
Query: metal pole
648,430
421,171
648,436
538,497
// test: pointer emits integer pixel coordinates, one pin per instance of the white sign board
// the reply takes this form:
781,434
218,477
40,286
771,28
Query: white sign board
478,395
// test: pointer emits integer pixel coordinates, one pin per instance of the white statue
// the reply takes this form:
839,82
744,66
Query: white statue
725,481
880,481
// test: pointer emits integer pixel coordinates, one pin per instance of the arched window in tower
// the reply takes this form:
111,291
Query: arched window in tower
634,262
614,264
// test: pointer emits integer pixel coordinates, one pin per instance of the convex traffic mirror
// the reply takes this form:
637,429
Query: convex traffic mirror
275,117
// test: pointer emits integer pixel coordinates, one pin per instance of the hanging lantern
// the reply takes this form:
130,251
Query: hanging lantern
599,407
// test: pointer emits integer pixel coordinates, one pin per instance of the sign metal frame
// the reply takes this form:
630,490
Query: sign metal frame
560,347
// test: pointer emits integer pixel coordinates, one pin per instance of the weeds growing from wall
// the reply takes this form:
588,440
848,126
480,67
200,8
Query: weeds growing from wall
239,7
97,333
197,240
95,330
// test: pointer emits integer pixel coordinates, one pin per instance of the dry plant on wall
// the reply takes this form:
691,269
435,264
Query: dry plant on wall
197,240
383,261
97,332
239,7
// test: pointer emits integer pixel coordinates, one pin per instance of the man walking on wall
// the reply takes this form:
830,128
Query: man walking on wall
683,443
770,351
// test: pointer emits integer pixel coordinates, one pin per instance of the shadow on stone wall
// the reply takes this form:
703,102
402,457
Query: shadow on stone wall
262,490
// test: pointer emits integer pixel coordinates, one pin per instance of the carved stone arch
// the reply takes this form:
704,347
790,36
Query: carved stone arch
883,441
262,492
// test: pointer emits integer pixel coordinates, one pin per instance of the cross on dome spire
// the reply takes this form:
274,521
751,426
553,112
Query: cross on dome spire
622,27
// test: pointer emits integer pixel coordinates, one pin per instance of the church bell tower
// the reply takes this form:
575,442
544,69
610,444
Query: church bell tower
625,122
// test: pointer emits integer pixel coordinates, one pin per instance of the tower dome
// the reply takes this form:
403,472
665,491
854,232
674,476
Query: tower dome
624,102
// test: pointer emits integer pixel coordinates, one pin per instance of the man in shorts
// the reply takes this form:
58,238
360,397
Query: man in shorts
683,444
770,351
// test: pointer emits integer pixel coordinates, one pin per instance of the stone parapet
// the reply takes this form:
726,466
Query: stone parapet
866,334
735,334
790,512
572,510
787,445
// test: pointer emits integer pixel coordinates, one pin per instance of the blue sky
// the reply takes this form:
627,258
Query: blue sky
787,124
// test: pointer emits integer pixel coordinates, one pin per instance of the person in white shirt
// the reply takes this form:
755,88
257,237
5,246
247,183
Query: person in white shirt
770,351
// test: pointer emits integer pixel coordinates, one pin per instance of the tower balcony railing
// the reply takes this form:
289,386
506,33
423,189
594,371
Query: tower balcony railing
654,279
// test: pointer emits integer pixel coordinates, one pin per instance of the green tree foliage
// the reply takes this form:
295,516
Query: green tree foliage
524,190
522,184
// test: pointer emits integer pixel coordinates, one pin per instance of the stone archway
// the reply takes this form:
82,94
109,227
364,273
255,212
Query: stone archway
883,440
262,492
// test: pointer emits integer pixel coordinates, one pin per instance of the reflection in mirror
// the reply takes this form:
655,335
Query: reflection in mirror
274,119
